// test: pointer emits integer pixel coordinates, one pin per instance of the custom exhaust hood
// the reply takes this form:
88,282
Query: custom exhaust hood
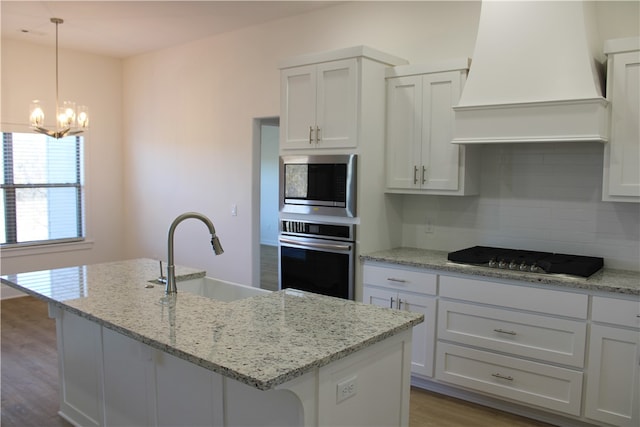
536,76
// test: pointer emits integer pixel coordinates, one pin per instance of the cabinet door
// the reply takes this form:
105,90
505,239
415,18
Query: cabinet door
613,376
440,158
128,376
404,128
422,350
298,107
423,335
187,394
336,124
533,383
80,367
622,153
380,297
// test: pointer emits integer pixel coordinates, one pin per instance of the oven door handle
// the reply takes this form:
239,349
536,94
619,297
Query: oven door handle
327,246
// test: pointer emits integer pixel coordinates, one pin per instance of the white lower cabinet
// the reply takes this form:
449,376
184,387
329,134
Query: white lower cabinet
513,342
128,375
613,373
509,377
80,368
410,290
109,379
571,355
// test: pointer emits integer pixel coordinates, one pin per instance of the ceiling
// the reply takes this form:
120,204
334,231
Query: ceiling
125,28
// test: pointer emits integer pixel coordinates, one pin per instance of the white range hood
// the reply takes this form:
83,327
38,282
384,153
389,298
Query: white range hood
536,76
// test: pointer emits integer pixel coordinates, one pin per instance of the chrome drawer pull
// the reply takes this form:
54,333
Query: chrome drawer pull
391,300
415,175
393,279
502,331
502,377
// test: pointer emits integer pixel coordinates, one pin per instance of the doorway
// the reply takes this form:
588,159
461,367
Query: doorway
266,154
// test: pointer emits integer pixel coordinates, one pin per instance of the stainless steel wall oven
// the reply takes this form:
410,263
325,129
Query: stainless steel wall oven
317,257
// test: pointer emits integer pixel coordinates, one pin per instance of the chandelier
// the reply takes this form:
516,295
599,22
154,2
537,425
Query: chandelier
69,119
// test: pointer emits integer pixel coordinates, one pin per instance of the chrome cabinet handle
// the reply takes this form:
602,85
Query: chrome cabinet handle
310,134
400,302
424,170
317,135
415,175
503,331
391,302
393,279
313,245
502,377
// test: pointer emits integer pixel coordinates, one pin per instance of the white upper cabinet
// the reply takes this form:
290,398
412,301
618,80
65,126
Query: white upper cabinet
320,97
621,179
319,105
420,155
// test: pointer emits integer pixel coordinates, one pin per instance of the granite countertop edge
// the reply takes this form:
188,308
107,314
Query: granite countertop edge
606,280
136,272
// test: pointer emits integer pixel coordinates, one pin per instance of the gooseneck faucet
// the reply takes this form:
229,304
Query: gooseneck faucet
217,248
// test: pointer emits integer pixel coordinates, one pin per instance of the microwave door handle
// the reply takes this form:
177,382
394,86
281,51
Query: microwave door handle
313,245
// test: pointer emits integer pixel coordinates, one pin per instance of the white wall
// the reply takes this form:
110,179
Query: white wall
28,72
189,112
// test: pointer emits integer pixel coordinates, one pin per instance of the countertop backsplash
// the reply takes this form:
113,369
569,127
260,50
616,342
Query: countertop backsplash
543,197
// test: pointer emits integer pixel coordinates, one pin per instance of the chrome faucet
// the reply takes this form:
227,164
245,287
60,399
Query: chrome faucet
217,248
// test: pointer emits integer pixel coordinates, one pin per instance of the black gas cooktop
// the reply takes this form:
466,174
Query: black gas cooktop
528,261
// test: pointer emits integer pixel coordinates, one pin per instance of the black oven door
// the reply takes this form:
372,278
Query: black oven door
317,265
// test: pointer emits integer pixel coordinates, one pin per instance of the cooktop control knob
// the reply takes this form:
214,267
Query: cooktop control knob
503,264
493,263
513,265
523,266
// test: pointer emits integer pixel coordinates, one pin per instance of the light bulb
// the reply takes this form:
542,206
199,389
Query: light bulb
36,115
83,116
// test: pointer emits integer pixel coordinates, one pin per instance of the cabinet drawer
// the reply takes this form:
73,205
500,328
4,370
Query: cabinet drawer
539,337
533,383
515,296
616,311
402,279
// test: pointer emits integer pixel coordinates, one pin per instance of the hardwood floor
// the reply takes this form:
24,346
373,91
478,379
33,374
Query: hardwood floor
30,379
269,267
29,359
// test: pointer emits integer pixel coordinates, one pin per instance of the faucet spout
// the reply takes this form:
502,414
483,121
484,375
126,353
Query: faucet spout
215,243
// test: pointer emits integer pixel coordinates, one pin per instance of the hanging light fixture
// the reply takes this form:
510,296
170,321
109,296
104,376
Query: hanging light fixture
69,119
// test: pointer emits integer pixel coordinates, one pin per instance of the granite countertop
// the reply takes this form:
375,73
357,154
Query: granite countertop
605,280
262,341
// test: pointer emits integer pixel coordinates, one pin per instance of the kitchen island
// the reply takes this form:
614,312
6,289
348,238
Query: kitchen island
129,355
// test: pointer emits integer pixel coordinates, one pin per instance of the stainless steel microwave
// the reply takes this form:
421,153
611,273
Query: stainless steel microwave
318,184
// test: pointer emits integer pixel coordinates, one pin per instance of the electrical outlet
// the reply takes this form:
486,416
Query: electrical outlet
346,389
428,225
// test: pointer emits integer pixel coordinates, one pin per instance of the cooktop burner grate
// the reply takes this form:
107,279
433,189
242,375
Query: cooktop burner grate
528,261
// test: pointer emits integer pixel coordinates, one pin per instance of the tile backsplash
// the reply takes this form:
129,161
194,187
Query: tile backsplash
544,196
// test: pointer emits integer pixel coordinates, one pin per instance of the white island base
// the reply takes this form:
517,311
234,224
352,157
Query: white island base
109,379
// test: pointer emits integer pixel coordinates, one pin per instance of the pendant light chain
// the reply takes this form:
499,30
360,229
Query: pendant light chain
57,21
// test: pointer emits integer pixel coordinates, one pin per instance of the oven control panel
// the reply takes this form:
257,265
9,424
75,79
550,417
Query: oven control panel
318,229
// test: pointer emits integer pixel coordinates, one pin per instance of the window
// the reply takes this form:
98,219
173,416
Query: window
42,189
